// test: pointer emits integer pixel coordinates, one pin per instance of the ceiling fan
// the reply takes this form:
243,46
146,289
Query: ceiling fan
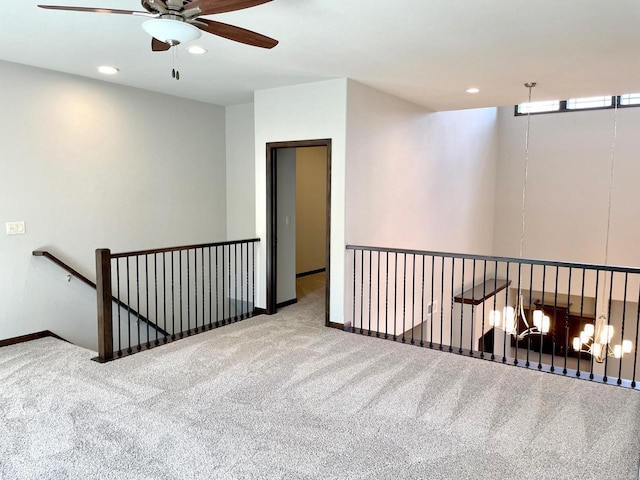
177,21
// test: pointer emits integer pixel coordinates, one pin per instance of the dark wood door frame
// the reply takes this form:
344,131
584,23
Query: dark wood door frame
271,264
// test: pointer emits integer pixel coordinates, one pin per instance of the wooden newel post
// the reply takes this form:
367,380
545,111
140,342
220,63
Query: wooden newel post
103,287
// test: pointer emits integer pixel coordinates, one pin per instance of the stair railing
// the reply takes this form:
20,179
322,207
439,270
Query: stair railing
180,290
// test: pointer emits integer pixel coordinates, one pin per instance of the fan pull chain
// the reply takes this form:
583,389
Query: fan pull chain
175,73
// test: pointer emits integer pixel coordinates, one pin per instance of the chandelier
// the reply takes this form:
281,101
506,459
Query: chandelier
596,339
510,319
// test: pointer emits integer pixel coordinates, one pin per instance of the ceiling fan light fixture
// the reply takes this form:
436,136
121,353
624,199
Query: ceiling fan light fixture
170,31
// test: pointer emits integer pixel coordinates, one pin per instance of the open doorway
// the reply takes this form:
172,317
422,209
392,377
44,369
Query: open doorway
286,258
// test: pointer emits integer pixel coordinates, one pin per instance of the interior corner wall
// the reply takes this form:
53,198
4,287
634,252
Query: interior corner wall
304,112
240,168
418,179
89,164
568,186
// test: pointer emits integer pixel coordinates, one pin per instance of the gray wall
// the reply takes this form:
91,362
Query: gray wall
88,164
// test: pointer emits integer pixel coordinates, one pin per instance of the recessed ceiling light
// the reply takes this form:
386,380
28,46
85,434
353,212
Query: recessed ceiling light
105,69
196,50
473,90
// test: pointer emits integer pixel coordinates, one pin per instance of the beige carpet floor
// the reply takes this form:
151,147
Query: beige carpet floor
283,397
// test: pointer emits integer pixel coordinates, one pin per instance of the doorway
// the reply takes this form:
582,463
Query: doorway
278,155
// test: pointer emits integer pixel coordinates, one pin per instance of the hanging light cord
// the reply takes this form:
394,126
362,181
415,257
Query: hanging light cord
612,159
613,153
530,86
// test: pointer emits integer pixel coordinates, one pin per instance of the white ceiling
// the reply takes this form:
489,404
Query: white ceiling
426,51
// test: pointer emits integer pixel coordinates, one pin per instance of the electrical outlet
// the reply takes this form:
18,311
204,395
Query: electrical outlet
15,228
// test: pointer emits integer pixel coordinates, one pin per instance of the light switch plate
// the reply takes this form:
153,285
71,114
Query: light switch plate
15,228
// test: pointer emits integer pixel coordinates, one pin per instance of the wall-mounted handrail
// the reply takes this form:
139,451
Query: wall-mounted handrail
64,266
82,278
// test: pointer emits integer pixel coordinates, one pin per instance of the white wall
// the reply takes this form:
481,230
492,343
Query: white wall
240,165
567,188
416,180
286,225
304,112
88,164
311,208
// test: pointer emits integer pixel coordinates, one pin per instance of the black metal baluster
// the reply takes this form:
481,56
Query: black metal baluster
516,325
451,302
173,300
253,273
235,282
203,287
413,300
386,299
164,296
355,259
129,349
422,315
484,307
217,292
229,284
544,278
361,290
635,345
180,292
370,268
139,346
555,318
155,292
584,271
595,316
210,296
241,283
506,303
473,306
606,358
378,300
566,324
146,291
461,308
119,307
624,315
195,288
224,322
395,296
529,314
493,327
189,295
441,304
430,312
404,295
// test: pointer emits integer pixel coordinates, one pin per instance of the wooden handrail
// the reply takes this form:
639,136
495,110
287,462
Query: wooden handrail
183,247
75,273
60,263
